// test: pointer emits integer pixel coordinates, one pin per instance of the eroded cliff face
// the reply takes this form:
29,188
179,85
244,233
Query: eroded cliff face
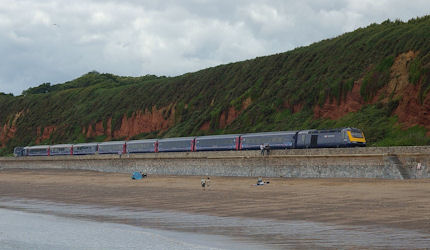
227,118
98,129
409,111
139,122
45,134
145,122
8,130
399,78
332,110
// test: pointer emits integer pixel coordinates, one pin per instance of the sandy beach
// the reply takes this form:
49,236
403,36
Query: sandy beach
391,203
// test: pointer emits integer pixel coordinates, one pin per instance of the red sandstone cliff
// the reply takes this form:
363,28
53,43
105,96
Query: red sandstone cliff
409,111
8,130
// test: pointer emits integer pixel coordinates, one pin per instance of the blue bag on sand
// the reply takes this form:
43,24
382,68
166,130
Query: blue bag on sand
136,176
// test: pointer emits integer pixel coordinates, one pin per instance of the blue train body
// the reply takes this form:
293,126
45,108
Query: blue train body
341,137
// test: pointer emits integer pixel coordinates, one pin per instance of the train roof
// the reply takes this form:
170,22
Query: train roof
37,147
218,136
112,142
142,141
317,131
61,145
269,133
85,144
354,129
176,139
306,131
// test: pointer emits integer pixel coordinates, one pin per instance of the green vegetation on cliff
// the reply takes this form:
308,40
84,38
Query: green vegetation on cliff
281,92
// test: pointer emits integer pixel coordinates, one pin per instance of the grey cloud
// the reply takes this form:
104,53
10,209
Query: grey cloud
56,41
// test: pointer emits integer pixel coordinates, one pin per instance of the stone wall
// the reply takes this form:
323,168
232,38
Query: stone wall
381,162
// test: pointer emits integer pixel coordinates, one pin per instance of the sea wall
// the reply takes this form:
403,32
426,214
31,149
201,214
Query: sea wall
380,162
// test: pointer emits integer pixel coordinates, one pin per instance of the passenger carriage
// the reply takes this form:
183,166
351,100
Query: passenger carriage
217,142
275,140
85,148
142,146
61,149
179,144
112,147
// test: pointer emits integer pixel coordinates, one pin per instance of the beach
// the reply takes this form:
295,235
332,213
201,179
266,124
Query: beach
370,203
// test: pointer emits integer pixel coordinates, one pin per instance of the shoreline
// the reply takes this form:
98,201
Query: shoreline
370,202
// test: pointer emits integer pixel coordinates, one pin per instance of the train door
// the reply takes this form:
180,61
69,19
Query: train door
345,138
314,141
301,141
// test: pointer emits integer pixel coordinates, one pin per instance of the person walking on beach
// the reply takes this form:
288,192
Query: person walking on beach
262,149
207,182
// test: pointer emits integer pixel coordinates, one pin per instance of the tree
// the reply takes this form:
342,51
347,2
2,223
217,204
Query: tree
41,89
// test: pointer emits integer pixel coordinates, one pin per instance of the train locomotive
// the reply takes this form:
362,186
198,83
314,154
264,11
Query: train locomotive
340,137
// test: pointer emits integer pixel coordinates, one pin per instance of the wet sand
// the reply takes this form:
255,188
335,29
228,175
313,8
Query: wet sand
374,202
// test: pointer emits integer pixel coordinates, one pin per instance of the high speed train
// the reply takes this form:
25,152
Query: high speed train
340,137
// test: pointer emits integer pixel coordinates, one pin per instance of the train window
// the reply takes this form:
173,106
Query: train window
303,139
356,134
174,145
60,150
216,142
111,148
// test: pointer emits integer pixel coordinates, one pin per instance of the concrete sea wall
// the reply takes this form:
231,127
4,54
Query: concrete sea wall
381,162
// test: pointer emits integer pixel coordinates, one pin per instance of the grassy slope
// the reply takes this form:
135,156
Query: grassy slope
305,76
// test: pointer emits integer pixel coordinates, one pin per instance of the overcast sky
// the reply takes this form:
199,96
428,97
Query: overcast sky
56,41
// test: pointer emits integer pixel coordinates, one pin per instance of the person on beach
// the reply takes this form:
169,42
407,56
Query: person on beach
208,182
267,148
262,149
260,181
203,182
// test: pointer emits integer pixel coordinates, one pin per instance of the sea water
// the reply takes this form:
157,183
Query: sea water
24,230
38,224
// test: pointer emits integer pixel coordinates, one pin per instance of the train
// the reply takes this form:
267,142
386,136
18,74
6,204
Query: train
329,138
